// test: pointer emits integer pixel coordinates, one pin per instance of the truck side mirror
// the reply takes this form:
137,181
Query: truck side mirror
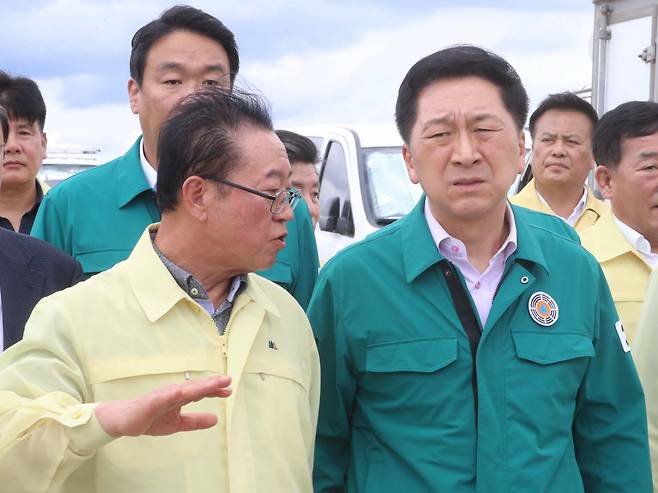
328,222
345,223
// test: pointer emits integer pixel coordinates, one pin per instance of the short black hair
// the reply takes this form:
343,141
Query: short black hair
626,121
198,139
567,101
22,99
4,124
181,18
457,62
300,149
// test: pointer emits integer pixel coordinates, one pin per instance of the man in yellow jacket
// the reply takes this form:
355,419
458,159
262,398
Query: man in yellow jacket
562,127
644,354
625,241
145,348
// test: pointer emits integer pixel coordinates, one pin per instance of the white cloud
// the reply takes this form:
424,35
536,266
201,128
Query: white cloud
109,127
359,83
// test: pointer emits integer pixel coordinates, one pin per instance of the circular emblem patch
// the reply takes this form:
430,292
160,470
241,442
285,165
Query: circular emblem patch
543,309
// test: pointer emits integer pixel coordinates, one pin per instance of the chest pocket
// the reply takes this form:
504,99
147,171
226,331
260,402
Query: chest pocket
271,369
411,378
549,369
128,378
97,261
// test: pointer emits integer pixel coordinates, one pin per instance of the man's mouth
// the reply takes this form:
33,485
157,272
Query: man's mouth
557,165
465,182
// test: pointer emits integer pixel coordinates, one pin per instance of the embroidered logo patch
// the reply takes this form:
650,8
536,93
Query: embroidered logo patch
543,309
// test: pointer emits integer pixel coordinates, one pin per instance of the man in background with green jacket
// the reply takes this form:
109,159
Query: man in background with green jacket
472,346
98,216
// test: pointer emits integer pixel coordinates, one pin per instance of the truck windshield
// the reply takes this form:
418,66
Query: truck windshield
390,193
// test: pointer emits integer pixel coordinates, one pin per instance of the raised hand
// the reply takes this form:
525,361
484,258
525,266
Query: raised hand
159,411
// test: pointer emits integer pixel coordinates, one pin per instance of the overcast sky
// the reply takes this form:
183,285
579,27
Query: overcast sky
315,61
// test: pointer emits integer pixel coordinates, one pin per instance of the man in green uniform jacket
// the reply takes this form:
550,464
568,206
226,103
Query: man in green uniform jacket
472,346
98,216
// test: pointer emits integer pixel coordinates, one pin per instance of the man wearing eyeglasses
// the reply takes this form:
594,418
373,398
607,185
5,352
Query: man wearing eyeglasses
98,216
145,348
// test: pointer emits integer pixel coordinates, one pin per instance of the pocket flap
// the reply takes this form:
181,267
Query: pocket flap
278,369
126,368
421,355
548,348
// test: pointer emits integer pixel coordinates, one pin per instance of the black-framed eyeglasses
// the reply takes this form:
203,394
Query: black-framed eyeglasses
279,200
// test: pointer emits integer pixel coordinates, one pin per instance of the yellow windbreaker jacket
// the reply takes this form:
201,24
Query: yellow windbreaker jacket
644,354
129,330
594,208
625,270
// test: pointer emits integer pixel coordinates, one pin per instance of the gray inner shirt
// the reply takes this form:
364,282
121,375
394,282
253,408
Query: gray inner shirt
197,292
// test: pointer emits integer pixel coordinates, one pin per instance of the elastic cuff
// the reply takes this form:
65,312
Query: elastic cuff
90,436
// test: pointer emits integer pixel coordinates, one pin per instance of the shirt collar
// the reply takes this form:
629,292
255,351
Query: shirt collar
577,211
637,240
442,238
157,292
149,172
190,284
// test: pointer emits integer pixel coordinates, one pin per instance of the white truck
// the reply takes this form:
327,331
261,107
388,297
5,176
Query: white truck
363,180
67,161
624,52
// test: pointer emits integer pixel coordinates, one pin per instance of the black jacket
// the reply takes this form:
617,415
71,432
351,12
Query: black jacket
29,270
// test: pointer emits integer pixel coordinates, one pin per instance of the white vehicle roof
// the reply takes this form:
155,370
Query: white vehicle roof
370,135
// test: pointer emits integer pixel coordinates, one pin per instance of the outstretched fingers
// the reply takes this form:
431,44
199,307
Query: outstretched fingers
196,421
181,394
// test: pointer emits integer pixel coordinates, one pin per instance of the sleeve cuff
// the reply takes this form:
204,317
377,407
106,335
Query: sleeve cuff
90,436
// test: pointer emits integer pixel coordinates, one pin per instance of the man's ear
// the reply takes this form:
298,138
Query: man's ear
604,178
409,162
193,197
521,163
133,95
44,145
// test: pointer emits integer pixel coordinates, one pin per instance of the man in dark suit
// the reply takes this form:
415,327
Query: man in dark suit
29,270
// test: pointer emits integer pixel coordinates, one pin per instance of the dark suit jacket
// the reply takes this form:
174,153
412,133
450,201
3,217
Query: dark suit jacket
29,270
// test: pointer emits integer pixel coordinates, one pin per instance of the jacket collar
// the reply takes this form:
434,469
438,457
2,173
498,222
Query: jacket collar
528,247
419,252
528,197
595,205
605,241
157,291
130,176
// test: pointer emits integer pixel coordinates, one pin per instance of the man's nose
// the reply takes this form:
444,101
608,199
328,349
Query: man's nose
558,149
286,214
12,143
465,151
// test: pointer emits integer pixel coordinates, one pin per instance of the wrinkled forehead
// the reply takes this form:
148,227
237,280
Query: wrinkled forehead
472,98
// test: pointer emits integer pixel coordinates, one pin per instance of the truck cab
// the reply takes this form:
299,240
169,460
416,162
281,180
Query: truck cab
363,183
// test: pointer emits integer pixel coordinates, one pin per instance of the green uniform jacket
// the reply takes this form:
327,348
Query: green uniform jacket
561,408
97,217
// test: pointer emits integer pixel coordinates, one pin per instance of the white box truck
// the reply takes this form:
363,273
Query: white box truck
624,52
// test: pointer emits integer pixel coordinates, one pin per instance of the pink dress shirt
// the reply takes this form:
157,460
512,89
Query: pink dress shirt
481,285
